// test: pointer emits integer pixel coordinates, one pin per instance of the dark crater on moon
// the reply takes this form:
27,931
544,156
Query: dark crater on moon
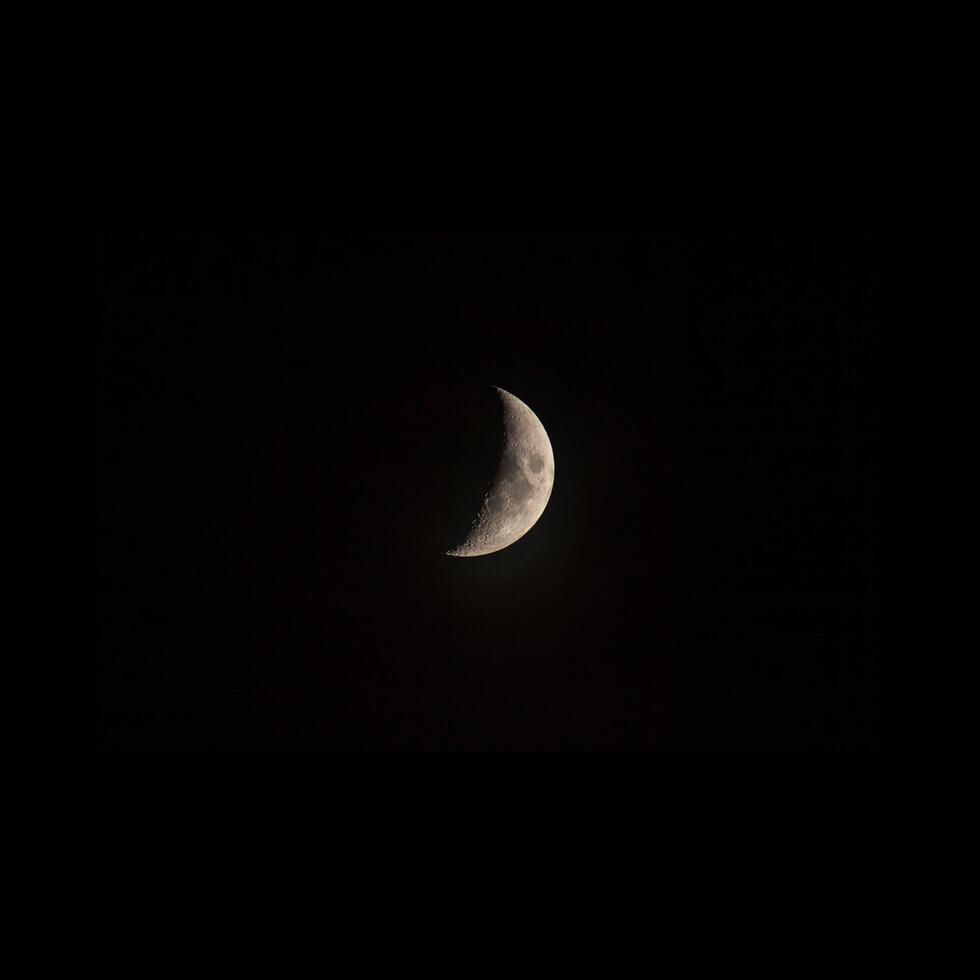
515,490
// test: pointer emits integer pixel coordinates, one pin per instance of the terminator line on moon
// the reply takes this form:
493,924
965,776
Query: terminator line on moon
521,488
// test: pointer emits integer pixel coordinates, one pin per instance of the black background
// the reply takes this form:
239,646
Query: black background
293,428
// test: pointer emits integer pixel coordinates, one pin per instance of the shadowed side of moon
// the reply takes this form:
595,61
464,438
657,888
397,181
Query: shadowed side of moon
521,486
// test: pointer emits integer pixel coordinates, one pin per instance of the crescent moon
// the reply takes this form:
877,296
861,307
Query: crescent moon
521,488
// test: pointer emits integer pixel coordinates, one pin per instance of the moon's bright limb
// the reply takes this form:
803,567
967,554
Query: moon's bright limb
520,490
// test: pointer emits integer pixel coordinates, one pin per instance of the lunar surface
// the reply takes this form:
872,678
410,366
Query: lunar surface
520,490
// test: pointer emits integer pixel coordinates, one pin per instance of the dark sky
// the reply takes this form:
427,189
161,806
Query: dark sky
292,431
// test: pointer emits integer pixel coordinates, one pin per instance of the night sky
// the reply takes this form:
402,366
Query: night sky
293,429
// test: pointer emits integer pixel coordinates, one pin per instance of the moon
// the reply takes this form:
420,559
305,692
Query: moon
521,488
